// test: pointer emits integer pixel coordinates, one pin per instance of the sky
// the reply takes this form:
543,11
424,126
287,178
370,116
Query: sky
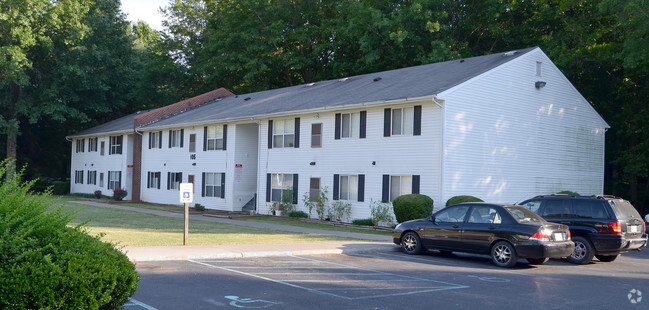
145,10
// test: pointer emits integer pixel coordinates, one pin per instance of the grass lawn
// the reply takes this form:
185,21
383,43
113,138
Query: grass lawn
129,228
289,222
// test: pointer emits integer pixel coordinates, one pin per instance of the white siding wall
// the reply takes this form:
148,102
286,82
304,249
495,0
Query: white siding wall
395,155
506,141
176,159
94,161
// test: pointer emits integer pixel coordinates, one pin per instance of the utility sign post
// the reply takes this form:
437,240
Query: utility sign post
186,196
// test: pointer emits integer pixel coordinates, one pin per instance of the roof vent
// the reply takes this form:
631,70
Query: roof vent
376,79
247,98
344,79
461,60
510,53
310,84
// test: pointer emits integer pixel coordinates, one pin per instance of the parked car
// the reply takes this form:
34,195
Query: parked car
601,226
504,232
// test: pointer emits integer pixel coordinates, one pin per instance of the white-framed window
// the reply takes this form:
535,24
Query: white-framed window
281,185
349,125
101,179
155,140
174,179
103,147
214,138
114,179
78,177
92,177
192,143
403,120
348,187
316,135
92,144
212,184
314,189
175,138
284,133
115,145
81,145
153,180
400,185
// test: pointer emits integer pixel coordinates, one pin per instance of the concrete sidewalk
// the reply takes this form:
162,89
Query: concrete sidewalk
375,243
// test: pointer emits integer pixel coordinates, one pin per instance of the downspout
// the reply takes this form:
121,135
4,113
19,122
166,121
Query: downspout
443,148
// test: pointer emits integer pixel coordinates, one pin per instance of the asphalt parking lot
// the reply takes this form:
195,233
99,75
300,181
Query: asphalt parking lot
390,280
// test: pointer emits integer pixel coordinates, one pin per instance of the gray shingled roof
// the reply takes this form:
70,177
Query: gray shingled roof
122,125
411,82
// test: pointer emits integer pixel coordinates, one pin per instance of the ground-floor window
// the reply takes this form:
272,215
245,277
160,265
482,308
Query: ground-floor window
153,180
92,177
397,185
78,177
281,186
114,179
174,179
213,184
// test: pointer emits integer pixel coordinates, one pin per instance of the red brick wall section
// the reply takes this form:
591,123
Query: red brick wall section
186,104
137,167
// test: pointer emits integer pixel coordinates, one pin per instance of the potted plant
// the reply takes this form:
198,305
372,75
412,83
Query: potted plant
278,208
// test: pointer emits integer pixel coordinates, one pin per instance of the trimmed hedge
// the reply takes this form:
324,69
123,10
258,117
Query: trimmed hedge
463,198
363,222
46,265
61,187
298,214
412,206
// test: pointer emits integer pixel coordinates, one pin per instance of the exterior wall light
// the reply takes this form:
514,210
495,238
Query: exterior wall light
539,84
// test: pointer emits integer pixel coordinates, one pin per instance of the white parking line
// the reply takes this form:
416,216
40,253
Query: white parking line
363,284
134,302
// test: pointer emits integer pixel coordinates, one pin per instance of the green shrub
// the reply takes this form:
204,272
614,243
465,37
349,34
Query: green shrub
61,187
363,222
339,210
412,206
463,198
40,185
46,265
199,207
119,193
381,212
298,214
97,194
567,193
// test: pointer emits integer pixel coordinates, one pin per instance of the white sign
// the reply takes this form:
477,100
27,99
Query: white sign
186,192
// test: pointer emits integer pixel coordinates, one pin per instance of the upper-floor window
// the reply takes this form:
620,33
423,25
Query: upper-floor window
155,140
350,125
81,145
174,179
284,133
176,138
153,180
115,145
192,143
215,138
316,135
92,144
402,121
103,147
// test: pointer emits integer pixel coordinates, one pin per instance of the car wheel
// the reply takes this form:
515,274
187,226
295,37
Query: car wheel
411,244
538,261
583,252
606,258
503,254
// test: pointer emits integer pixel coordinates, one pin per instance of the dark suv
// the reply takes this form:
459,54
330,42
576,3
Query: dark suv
601,226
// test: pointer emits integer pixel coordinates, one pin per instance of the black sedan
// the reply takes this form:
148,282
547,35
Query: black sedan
505,232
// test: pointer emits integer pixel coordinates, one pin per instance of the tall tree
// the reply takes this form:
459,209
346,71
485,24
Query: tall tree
64,62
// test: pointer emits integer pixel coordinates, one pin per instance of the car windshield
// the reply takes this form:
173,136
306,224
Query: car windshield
523,215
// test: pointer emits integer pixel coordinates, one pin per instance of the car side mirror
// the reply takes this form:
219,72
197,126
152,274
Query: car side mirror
432,219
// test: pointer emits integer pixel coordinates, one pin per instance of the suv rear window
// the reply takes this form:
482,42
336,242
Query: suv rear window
623,209
556,208
590,208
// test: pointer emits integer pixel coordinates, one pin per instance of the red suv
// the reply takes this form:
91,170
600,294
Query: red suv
601,226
